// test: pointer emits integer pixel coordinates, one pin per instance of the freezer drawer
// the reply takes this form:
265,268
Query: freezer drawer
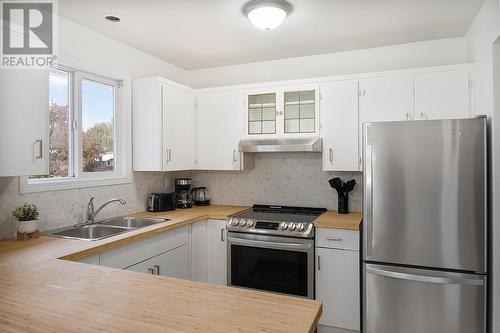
425,194
398,300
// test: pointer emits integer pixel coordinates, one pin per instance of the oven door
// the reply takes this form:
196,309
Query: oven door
271,263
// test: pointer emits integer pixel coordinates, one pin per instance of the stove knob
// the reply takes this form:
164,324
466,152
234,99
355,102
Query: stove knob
235,222
250,223
244,223
291,226
283,225
301,227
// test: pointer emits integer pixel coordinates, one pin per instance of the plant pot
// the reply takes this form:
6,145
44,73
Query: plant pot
27,226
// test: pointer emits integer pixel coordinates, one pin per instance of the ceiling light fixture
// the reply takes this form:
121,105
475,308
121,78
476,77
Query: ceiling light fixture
267,14
112,18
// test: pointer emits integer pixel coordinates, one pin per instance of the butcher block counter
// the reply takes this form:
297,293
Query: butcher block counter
332,219
41,292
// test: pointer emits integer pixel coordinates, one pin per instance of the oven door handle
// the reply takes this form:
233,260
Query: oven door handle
271,245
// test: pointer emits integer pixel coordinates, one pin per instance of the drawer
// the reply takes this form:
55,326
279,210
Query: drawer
133,253
337,239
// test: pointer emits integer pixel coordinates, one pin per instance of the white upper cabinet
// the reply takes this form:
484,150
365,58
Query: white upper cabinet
291,111
219,119
443,95
339,125
386,99
24,121
163,126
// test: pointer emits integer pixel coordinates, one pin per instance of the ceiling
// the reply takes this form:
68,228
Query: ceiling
196,34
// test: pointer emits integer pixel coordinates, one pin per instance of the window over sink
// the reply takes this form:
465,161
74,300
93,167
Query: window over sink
84,133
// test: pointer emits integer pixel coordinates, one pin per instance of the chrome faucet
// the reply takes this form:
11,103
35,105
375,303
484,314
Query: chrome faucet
91,214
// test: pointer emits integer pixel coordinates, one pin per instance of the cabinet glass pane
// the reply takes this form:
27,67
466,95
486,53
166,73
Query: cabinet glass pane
306,125
300,111
268,127
262,114
292,111
292,126
269,114
255,127
307,111
255,114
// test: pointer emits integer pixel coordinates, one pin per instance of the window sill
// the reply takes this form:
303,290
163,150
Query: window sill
69,184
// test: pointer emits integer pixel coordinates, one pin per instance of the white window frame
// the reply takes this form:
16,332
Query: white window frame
77,178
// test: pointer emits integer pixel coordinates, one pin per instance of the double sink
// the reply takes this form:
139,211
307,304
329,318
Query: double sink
106,228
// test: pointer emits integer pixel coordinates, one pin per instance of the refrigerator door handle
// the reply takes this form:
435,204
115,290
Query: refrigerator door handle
427,279
368,218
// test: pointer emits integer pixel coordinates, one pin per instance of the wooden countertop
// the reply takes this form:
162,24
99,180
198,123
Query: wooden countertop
41,293
332,219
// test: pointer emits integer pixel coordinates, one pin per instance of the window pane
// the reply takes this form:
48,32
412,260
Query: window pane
59,124
98,106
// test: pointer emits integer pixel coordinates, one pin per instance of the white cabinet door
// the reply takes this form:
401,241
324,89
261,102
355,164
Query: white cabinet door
216,252
220,115
386,99
163,126
337,286
173,263
199,251
443,95
178,128
147,125
339,125
24,121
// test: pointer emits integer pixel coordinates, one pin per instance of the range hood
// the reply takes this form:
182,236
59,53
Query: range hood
281,145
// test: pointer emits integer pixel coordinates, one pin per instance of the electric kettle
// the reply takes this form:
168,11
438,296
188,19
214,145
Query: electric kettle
200,196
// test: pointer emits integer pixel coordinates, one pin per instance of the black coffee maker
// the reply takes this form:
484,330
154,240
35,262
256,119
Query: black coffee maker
183,193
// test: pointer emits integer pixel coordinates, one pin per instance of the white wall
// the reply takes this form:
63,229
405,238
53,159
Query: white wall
480,38
85,49
420,54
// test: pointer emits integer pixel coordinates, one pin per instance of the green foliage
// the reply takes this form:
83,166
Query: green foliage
27,212
96,141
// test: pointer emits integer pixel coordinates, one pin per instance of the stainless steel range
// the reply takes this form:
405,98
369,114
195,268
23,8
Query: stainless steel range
272,248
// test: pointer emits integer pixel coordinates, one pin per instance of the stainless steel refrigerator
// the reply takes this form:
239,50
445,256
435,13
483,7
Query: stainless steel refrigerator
424,226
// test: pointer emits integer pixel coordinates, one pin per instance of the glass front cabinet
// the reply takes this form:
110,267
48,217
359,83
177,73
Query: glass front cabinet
290,111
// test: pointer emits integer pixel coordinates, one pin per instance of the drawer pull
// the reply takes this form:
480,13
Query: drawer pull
151,271
336,239
156,270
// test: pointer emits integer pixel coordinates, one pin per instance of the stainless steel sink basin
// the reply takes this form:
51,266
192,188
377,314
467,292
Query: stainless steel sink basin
131,222
106,228
90,232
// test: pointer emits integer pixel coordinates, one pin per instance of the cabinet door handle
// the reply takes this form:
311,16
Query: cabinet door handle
423,116
156,270
331,155
169,155
151,271
408,116
319,263
40,149
234,155
336,239
222,235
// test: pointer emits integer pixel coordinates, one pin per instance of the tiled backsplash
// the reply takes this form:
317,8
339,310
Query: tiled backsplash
279,178
64,208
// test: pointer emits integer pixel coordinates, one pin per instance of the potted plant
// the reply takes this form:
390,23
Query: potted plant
27,215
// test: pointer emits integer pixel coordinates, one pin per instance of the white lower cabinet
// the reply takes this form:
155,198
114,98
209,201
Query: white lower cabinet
216,252
171,248
196,252
173,263
337,285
